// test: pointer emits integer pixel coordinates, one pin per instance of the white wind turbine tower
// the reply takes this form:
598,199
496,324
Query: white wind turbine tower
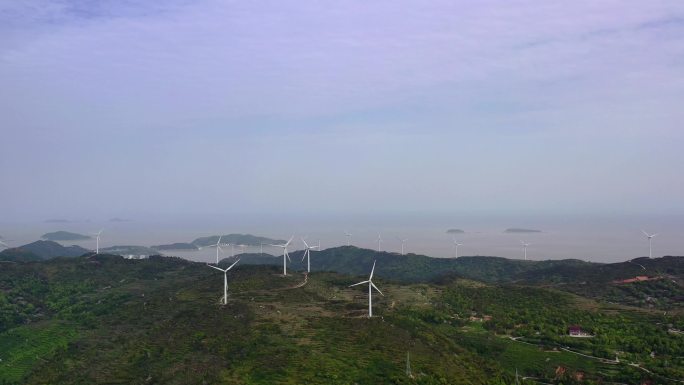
307,254
348,235
217,245
456,245
524,245
97,241
225,280
371,286
650,242
402,240
379,242
285,254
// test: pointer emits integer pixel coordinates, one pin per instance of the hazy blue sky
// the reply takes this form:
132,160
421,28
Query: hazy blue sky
119,108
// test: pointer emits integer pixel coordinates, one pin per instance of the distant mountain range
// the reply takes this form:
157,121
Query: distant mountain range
40,250
64,236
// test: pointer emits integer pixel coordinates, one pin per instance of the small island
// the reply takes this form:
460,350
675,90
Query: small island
519,230
455,231
64,236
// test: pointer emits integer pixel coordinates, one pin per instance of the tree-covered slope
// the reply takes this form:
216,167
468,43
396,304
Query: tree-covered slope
104,319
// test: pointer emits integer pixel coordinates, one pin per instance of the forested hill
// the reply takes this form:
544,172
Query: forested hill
39,250
421,268
411,267
103,319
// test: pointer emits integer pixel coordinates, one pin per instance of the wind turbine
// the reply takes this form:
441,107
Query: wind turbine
307,255
225,280
402,240
524,245
217,245
3,244
371,286
242,248
456,245
650,241
348,235
379,242
97,241
285,254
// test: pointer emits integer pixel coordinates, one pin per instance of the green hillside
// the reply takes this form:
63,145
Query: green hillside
105,319
41,250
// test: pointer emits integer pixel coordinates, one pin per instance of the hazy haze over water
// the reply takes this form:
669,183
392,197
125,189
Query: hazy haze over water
601,239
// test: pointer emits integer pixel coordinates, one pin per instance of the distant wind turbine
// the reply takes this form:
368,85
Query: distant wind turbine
3,244
285,254
650,243
348,235
242,248
379,242
456,245
225,280
307,255
217,245
402,240
524,245
371,286
97,241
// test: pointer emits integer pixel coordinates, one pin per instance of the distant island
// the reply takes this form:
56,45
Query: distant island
64,236
519,230
455,231
234,239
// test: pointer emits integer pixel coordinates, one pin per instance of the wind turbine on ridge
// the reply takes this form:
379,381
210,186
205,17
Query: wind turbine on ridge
456,245
307,254
371,286
650,242
524,245
97,241
217,245
285,254
402,240
379,242
225,279
348,235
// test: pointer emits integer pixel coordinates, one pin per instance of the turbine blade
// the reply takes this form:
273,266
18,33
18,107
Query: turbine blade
305,244
372,270
376,288
645,233
214,267
360,283
288,242
231,266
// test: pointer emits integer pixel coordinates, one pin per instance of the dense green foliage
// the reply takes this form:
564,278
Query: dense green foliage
105,319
